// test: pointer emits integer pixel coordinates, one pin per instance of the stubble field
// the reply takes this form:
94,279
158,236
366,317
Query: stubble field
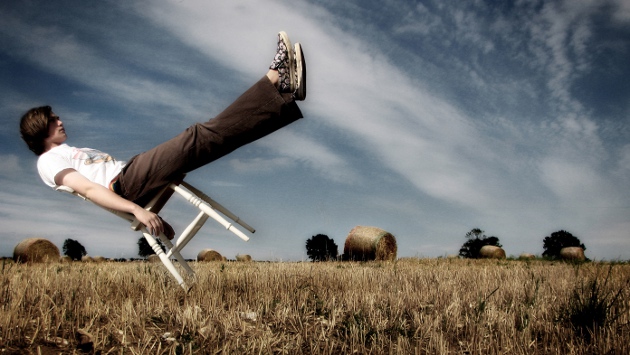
411,306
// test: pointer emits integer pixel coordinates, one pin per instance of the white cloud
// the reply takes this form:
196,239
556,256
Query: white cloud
623,166
10,165
575,181
257,165
622,11
219,183
306,150
60,52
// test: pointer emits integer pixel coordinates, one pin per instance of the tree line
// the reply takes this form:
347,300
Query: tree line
322,248
76,251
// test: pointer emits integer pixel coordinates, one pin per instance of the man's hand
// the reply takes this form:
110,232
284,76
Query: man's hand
154,223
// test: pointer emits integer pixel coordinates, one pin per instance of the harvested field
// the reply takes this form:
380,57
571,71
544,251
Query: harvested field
425,306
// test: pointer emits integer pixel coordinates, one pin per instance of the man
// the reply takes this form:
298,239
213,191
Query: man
264,108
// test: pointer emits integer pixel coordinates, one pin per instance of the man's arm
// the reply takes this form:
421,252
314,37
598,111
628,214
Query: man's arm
108,199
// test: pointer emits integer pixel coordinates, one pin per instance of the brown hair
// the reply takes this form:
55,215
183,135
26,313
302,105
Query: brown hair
34,128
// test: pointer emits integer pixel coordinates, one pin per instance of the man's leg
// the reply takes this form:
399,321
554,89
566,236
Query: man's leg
261,110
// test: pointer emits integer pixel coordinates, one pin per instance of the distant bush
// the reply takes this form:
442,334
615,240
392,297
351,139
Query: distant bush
73,249
144,249
321,248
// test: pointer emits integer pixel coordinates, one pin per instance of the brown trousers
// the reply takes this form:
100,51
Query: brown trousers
256,113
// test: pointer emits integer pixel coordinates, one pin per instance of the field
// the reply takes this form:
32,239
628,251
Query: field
421,306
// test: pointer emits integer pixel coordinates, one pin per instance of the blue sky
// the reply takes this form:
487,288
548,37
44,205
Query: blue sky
426,119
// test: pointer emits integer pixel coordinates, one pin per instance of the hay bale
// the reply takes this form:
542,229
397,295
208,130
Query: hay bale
527,256
209,255
87,259
99,259
153,258
65,259
369,243
243,257
572,253
491,252
36,250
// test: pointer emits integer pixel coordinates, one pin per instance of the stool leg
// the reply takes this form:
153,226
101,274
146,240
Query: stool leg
167,263
175,252
191,231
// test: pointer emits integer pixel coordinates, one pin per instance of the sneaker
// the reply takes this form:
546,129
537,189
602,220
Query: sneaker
284,63
300,63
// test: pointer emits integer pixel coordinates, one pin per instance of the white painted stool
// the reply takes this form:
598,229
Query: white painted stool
207,207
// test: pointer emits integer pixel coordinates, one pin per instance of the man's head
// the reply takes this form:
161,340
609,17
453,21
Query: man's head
37,126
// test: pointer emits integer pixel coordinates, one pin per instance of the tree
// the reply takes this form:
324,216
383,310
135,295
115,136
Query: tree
558,240
321,248
144,249
476,240
73,249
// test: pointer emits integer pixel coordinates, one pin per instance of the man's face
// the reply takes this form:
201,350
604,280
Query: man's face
56,132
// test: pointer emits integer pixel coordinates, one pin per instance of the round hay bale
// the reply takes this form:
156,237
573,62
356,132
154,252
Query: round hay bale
209,255
36,250
65,259
243,257
572,253
527,256
87,259
153,258
369,243
99,259
491,252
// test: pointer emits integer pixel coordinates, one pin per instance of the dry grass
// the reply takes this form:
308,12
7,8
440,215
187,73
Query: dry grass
426,306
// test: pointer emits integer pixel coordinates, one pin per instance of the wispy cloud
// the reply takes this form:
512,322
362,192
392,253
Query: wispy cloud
259,165
62,52
318,157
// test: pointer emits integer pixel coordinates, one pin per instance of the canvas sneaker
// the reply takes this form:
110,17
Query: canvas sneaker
284,63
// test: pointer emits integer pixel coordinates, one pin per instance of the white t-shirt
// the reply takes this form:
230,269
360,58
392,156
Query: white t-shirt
95,165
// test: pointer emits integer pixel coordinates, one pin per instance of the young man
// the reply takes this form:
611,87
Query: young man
264,108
